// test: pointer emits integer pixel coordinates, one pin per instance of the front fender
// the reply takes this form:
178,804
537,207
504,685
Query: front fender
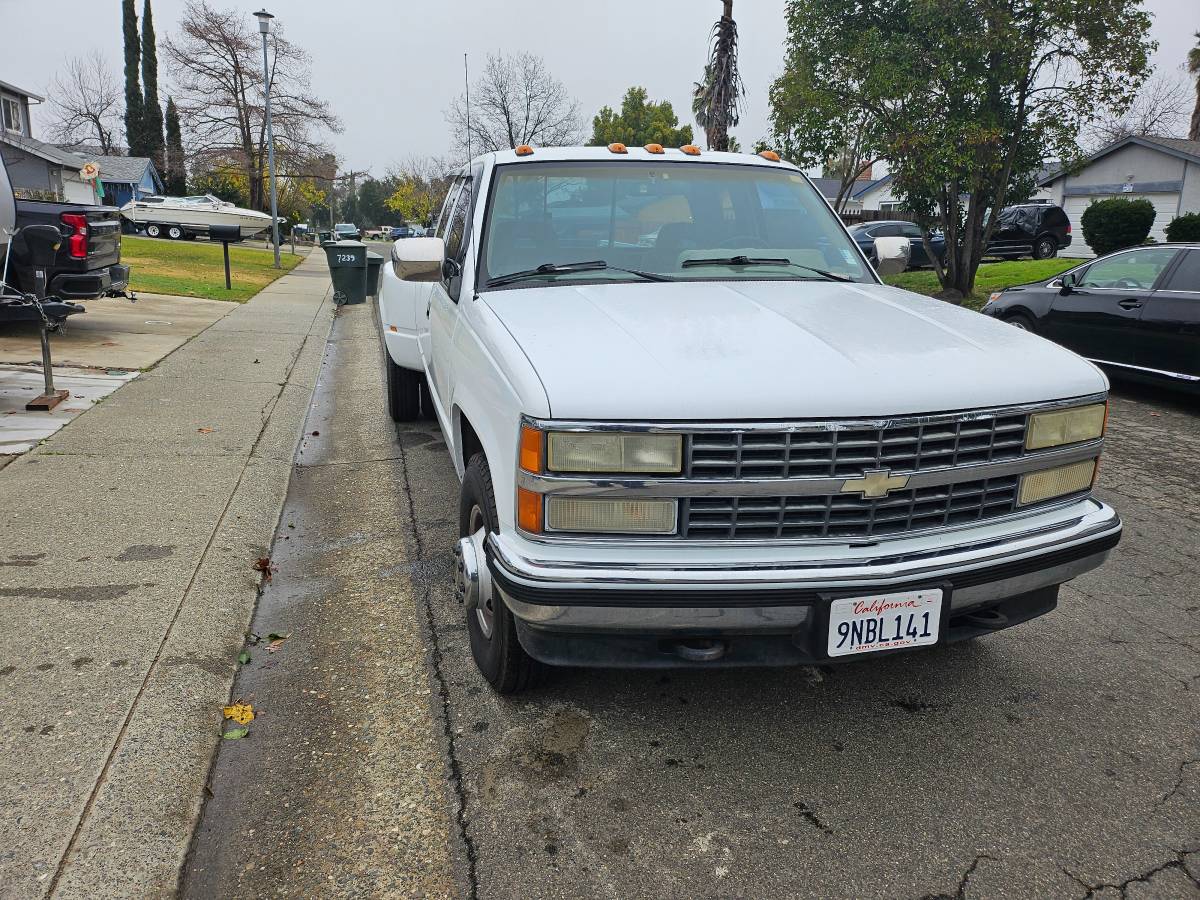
400,304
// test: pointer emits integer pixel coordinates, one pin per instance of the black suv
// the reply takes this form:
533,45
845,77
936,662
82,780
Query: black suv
1039,230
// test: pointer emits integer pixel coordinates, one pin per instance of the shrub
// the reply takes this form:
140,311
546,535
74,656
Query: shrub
1184,228
1110,225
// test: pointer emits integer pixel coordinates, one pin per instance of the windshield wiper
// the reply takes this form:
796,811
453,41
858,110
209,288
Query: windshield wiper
593,265
760,261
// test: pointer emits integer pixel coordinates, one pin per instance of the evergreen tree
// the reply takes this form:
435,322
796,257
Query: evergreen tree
175,176
152,115
133,91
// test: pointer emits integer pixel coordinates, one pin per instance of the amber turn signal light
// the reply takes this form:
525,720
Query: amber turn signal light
529,511
531,450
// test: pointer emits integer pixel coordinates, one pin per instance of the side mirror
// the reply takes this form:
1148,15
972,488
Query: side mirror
418,259
892,254
1068,282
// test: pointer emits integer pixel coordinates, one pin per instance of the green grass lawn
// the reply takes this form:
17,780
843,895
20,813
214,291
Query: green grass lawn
992,276
197,268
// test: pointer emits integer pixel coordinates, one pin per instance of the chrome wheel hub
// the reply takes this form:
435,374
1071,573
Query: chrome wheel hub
472,580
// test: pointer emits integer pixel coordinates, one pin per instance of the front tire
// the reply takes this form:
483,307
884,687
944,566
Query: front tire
404,393
153,231
1045,247
175,233
1022,321
498,653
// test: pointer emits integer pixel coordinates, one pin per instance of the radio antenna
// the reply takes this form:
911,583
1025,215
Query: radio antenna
467,83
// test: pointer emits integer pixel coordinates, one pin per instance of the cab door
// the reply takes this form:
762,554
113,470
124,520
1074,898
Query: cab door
1170,323
443,309
1099,317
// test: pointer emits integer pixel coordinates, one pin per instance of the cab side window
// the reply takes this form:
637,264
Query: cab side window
1187,276
457,228
447,208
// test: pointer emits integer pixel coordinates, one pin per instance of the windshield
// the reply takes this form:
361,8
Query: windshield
685,221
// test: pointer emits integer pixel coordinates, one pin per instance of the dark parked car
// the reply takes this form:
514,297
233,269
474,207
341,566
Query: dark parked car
864,235
1137,310
1039,230
400,231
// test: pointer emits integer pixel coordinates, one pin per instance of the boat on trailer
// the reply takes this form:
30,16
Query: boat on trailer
181,218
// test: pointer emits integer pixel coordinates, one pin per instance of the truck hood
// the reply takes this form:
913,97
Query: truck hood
775,350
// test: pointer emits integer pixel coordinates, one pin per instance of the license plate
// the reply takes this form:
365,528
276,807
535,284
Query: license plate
884,622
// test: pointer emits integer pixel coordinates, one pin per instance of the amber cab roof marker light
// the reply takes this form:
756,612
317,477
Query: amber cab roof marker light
769,155
655,148
690,149
617,147
524,150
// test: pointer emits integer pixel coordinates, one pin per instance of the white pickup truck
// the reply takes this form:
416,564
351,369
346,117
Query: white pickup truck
694,429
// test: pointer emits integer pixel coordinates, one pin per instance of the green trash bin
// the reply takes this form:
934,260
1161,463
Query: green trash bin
348,268
374,261
323,236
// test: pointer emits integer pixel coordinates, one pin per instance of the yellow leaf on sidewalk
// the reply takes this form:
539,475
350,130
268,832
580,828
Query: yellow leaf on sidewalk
242,713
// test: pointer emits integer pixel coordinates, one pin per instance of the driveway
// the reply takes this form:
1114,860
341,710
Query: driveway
1058,759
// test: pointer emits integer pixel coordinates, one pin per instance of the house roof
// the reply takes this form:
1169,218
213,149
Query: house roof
13,89
122,168
871,185
42,150
1177,147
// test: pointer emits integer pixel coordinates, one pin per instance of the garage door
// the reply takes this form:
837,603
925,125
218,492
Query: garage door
1165,207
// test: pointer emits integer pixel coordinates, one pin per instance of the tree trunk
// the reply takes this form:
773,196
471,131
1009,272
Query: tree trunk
1194,130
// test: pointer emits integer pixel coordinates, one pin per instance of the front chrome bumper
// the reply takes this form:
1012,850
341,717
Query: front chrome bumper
776,590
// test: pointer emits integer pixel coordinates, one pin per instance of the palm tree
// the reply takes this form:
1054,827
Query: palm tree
1193,66
715,99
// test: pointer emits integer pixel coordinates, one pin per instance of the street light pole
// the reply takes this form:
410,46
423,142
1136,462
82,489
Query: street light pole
264,26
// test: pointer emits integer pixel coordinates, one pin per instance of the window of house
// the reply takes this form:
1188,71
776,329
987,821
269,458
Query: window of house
12,113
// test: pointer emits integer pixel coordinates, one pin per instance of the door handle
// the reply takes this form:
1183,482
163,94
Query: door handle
1130,304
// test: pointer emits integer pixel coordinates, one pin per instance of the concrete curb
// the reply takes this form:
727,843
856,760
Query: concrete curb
148,512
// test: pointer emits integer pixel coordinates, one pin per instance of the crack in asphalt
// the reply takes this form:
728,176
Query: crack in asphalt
1178,781
435,659
1177,864
961,891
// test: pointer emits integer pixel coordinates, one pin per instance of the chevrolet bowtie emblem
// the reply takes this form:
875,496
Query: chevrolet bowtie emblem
874,484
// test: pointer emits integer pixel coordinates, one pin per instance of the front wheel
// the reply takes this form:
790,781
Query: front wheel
153,230
1021,321
175,232
1045,247
498,653
404,392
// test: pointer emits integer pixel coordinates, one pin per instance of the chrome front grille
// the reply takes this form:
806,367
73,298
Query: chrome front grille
847,515
849,452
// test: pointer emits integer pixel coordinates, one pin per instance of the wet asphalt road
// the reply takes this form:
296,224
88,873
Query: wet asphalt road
1057,759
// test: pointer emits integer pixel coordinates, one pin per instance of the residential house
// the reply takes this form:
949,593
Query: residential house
1165,171
829,190
37,170
881,195
124,177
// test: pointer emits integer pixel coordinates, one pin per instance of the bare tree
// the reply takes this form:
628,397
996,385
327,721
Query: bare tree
1160,109
85,104
217,70
515,101
717,98
419,186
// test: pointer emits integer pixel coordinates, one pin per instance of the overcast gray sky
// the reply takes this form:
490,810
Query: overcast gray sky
389,69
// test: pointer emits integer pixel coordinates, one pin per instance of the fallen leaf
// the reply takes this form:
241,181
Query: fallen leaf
242,713
273,646
263,564
206,430
244,657
235,734
276,636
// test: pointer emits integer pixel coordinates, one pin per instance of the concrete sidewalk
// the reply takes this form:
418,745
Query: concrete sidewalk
126,586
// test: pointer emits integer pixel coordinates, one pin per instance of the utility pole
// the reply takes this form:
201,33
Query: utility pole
352,177
264,26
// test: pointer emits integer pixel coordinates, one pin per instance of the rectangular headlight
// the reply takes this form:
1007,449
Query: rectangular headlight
610,516
615,452
1065,426
1044,485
